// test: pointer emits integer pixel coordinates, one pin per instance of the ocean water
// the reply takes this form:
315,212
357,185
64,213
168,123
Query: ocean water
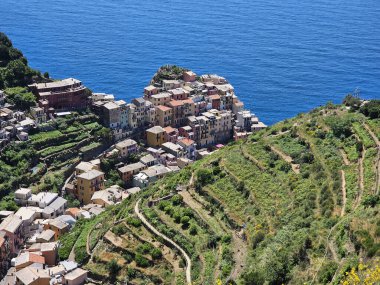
283,57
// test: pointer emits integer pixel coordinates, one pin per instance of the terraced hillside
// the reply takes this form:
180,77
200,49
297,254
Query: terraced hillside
296,203
47,158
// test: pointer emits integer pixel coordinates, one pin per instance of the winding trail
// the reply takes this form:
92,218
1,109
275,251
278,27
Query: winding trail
344,156
156,232
377,166
361,178
344,193
288,159
239,246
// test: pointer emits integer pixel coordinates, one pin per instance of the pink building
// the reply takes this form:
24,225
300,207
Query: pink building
171,134
189,76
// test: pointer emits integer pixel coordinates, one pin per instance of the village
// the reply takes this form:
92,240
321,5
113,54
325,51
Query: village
174,123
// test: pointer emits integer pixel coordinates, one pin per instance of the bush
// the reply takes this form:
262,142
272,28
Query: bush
327,272
193,230
352,101
141,261
156,253
204,176
134,222
176,200
371,109
119,230
371,200
185,220
113,268
257,238
145,248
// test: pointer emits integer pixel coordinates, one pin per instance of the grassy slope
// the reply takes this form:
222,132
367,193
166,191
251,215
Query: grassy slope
300,226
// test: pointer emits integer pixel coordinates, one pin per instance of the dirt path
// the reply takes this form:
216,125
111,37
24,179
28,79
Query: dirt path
279,134
288,159
344,194
239,246
156,232
72,254
377,166
361,178
344,156
332,249
240,256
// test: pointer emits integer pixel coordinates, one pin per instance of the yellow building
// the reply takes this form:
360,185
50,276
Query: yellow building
155,136
87,183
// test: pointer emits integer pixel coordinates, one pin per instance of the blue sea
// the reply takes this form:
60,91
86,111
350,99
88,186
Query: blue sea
282,56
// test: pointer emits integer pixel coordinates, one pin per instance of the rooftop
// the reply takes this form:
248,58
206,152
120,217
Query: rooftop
162,95
58,203
187,141
46,235
11,223
169,129
29,275
56,84
163,108
84,166
76,273
26,213
131,167
92,174
29,257
147,159
126,143
172,146
23,191
155,130
111,106
150,88
175,103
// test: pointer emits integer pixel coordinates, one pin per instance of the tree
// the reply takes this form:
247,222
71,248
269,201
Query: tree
193,230
141,261
352,101
20,97
341,127
185,221
156,253
113,268
371,109
176,200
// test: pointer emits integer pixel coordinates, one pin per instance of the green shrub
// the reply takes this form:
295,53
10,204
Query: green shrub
141,261
156,254
327,272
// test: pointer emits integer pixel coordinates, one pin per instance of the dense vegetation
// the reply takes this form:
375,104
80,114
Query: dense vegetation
14,69
168,72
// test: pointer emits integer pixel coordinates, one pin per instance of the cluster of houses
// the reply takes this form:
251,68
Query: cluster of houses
29,241
15,124
204,109
53,97
179,121
29,237
88,186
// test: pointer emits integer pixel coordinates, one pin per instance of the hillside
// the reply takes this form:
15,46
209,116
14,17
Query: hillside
297,203
14,69
48,157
